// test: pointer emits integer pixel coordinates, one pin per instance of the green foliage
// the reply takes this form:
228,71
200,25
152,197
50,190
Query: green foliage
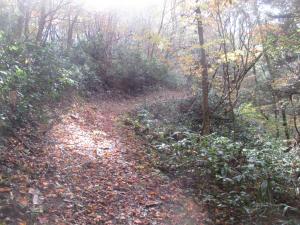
248,112
249,178
132,71
31,76
126,69
279,45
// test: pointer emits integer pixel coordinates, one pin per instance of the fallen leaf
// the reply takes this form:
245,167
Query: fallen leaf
98,218
43,220
2,190
152,203
23,201
74,117
137,221
35,193
35,199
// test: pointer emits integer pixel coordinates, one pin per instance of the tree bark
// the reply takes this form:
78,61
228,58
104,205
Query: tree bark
205,82
27,21
269,67
71,30
295,117
42,22
160,28
20,20
276,112
284,122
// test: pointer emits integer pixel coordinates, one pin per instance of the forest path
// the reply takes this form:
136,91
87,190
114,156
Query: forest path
97,172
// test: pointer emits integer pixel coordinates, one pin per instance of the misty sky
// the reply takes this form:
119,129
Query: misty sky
122,4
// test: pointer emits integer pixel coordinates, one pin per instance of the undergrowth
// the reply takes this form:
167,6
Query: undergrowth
243,181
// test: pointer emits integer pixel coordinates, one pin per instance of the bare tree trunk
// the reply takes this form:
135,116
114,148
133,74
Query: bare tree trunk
47,31
160,28
274,98
284,122
71,30
256,94
20,20
276,115
71,25
270,69
19,27
42,22
295,117
27,21
205,82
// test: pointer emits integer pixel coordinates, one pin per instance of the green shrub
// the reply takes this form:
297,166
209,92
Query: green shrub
31,76
125,69
248,178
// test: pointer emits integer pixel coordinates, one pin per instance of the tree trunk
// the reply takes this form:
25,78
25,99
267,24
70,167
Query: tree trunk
269,67
47,31
42,22
295,117
26,23
71,30
205,82
284,122
160,28
276,112
20,20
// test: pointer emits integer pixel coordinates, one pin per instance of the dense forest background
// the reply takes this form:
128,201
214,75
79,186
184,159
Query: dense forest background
238,130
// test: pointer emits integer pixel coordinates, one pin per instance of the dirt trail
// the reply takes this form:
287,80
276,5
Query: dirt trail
97,172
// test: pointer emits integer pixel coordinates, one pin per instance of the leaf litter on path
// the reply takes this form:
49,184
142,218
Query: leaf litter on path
94,171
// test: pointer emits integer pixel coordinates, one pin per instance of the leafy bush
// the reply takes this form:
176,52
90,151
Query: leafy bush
249,178
31,76
133,72
125,69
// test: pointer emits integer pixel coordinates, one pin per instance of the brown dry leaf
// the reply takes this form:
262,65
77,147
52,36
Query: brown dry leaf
6,189
51,195
60,190
163,197
138,221
83,189
98,218
152,203
43,220
23,201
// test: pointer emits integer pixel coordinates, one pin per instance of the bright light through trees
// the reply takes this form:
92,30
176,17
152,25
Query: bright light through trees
121,4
